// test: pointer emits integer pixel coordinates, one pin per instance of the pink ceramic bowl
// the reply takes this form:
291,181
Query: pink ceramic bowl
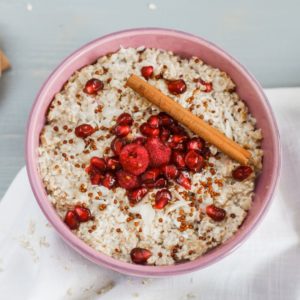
185,45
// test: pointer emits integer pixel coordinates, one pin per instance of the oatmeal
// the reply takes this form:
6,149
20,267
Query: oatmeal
130,181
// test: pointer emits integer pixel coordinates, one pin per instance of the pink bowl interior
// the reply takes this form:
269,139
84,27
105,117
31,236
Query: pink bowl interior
185,45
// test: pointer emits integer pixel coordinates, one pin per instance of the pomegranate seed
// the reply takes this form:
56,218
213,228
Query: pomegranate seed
149,131
122,130
150,175
117,145
178,159
158,184
98,163
112,163
140,255
125,119
216,213
71,220
136,195
89,169
177,129
241,173
96,178
194,161
139,140
208,86
147,71
184,181
205,152
177,87
92,86
84,130
153,121
178,138
109,180
195,144
165,119
83,214
164,134
162,198
170,171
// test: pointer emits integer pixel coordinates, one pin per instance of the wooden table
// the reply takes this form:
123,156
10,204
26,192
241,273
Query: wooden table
37,35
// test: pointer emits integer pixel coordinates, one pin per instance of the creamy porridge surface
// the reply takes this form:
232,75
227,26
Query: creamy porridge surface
181,230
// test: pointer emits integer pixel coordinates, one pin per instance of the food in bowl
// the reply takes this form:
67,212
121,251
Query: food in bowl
128,179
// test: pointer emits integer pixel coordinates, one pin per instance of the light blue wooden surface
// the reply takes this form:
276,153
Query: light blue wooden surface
263,35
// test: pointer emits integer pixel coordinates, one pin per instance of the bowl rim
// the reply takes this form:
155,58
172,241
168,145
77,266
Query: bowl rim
101,258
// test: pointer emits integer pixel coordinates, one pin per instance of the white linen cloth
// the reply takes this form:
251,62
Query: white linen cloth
36,264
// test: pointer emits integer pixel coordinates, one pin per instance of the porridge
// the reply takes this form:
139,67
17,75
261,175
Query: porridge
128,179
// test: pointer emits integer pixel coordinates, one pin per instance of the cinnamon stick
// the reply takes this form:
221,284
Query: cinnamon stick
195,124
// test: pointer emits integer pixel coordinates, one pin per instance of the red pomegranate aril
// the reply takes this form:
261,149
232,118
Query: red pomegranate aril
92,86
147,130
147,72
194,161
178,138
139,140
112,163
177,129
116,145
159,153
140,255
178,159
164,134
83,214
122,130
153,121
177,87
84,130
241,173
127,180
195,144
208,86
170,171
135,196
71,220
162,198
184,181
216,213
125,119
158,184
165,119
98,163
96,178
109,180
150,175
205,152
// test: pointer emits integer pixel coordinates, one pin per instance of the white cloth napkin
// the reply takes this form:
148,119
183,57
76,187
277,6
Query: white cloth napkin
36,264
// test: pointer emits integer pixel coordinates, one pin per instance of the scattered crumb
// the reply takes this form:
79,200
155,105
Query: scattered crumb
152,6
190,296
69,292
43,242
31,227
146,281
103,290
25,243
29,6
135,295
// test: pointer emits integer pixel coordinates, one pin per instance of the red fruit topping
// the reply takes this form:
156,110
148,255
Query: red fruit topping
116,145
170,171
140,256
194,161
165,119
153,121
184,181
125,119
159,153
162,198
127,180
158,184
98,163
178,159
177,129
112,163
83,214
205,152
164,134
96,178
147,71
71,220
241,173
134,158
136,195
216,213
177,87
150,175
208,86
108,180
121,130
139,140
195,144
178,138
147,130
92,86
84,130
